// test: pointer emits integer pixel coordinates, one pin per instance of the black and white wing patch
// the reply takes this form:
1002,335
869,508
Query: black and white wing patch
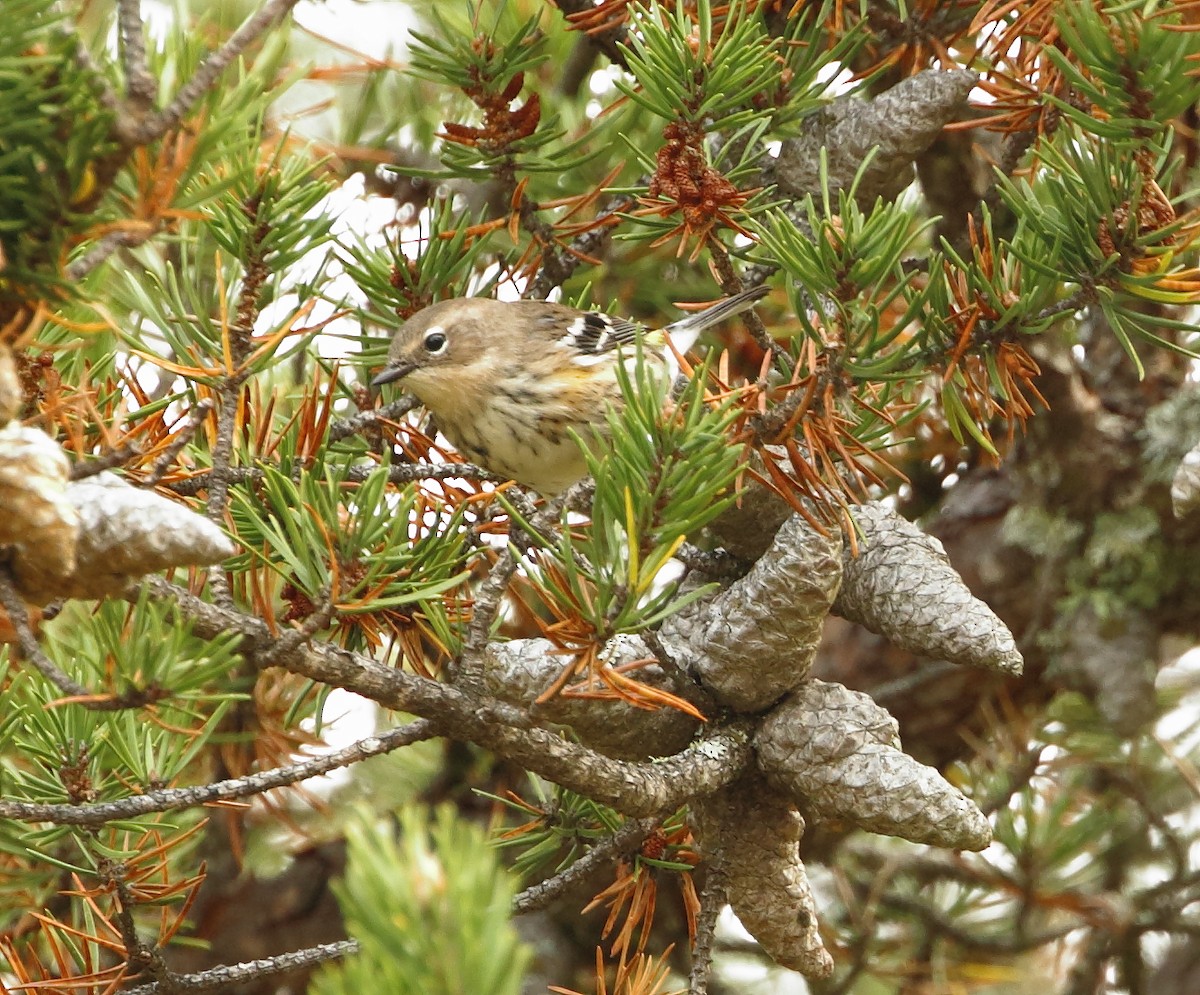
594,333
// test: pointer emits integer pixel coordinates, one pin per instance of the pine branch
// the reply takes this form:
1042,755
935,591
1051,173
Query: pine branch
490,597
224,977
345,427
731,284
175,799
105,247
712,901
635,789
139,956
401,473
27,641
107,97
105,461
627,838
239,336
587,245
136,133
141,87
221,476
318,618
162,463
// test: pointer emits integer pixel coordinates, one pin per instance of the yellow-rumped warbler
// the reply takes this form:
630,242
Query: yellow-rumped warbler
505,381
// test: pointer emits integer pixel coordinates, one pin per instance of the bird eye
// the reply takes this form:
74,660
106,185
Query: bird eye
435,341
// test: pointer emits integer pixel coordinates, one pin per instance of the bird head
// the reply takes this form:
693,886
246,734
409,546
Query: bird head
437,344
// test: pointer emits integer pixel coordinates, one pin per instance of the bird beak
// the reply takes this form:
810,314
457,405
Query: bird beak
393,372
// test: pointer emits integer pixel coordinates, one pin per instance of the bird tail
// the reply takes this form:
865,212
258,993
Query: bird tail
685,331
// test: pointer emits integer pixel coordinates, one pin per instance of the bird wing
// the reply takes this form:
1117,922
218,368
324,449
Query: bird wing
593,333
584,333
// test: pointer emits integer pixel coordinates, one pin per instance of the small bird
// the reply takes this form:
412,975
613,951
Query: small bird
506,381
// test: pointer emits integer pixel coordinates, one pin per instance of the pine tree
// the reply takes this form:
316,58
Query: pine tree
867,632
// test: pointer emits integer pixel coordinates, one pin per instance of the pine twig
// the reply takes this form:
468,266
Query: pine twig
402,473
220,477
628,837
293,639
138,955
731,283
107,245
225,977
27,642
241,343
200,411
491,596
32,654
587,244
140,86
208,72
173,799
712,899
343,428
105,93
469,672
942,925
106,461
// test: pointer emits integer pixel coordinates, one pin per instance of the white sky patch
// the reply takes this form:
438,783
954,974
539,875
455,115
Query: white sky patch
1181,726
378,31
